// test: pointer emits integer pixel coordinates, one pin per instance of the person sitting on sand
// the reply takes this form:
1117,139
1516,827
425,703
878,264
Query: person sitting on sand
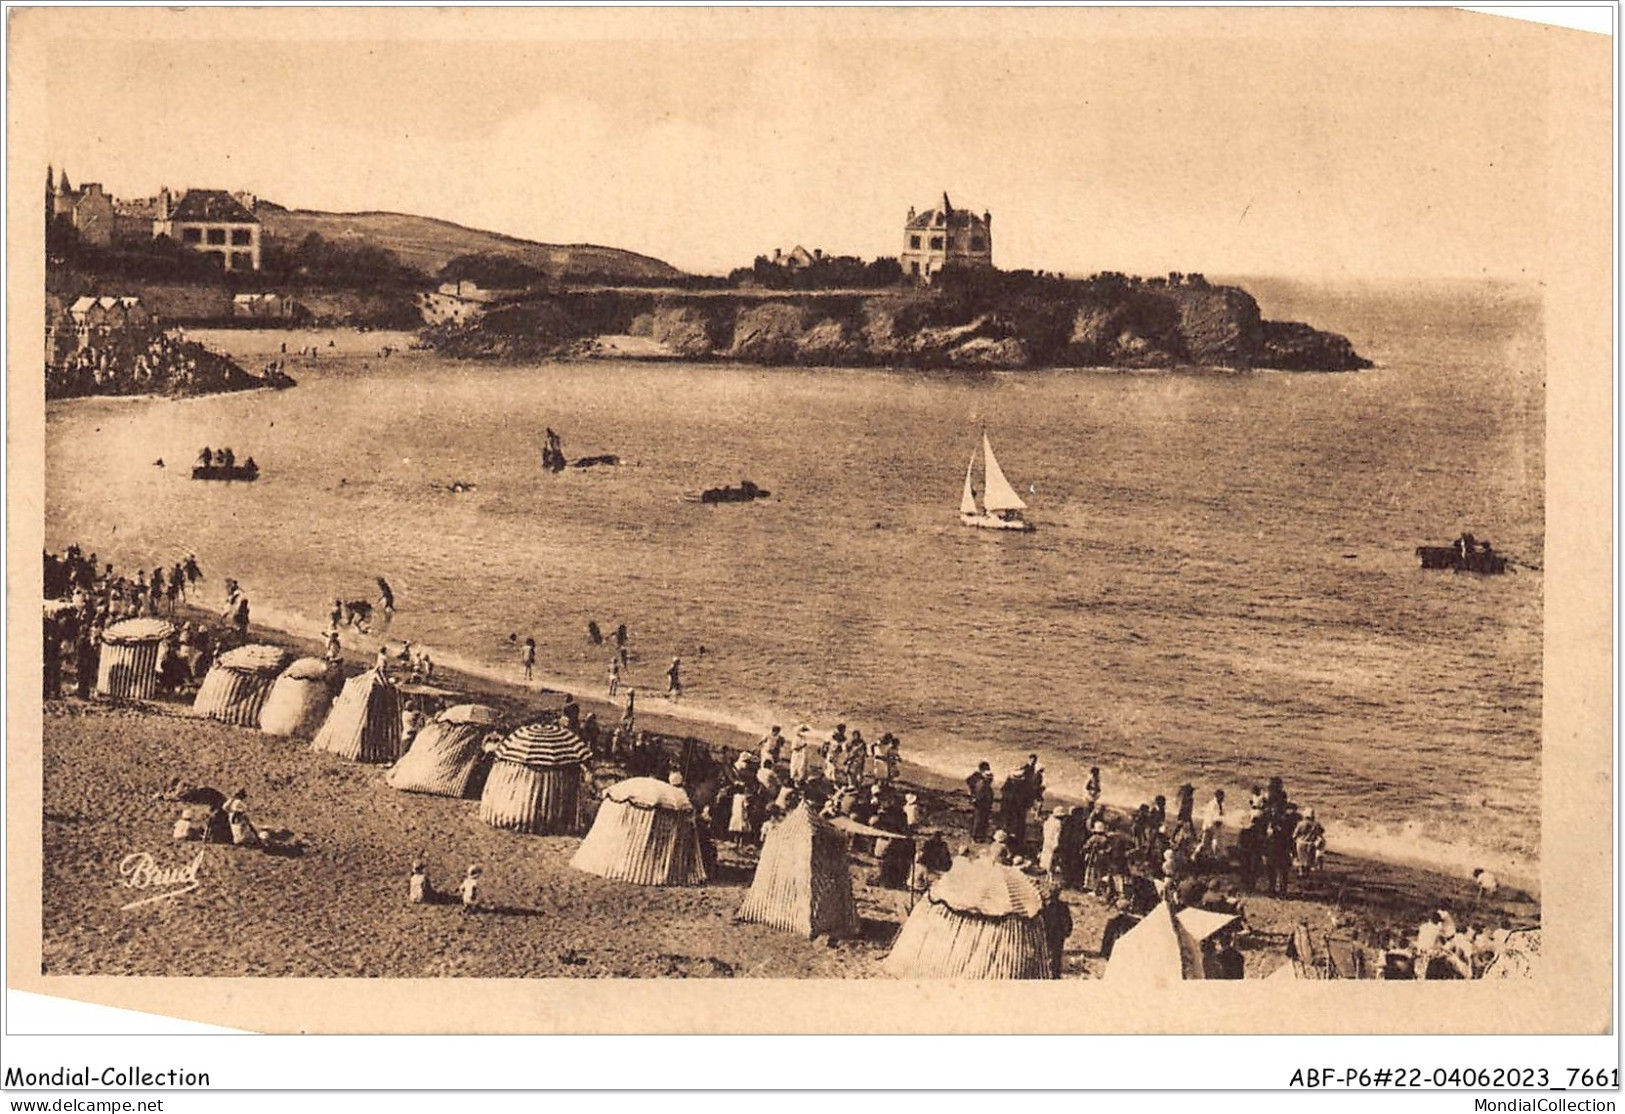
243,832
185,826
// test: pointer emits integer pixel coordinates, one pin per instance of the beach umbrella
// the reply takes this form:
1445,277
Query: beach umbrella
802,882
535,782
446,755
981,920
129,658
299,699
644,833
235,688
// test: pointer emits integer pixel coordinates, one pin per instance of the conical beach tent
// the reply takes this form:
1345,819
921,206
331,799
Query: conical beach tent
981,920
802,883
129,658
365,723
1157,952
535,783
299,700
644,833
235,688
446,754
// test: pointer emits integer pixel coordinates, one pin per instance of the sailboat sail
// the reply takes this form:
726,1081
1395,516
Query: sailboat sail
967,501
998,495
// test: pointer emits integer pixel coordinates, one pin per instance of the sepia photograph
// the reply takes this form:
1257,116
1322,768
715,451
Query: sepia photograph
736,513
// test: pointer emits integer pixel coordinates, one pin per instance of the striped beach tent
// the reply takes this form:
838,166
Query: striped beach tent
365,723
1156,953
981,920
535,782
446,755
299,700
235,688
129,658
802,883
644,833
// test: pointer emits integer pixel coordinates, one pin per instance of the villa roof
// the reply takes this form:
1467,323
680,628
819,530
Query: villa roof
212,206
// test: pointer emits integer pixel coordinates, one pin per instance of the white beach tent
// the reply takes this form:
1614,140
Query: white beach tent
365,723
1156,953
237,684
644,833
129,658
981,920
535,783
802,882
446,755
299,699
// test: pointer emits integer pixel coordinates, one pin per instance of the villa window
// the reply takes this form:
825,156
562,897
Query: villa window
978,244
936,243
914,242
217,235
241,237
191,235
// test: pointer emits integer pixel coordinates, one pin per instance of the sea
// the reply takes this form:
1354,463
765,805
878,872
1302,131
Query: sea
1221,586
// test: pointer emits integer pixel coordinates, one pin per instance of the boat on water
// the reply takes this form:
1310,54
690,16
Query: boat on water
1001,507
1465,554
246,471
746,492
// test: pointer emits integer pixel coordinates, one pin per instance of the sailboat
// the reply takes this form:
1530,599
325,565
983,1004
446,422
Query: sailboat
1001,506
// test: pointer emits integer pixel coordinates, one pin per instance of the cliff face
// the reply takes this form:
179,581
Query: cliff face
1113,322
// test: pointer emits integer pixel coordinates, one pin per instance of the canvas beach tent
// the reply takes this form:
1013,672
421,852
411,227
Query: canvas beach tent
981,920
445,757
365,723
1157,952
535,782
299,700
129,658
802,882
644,833
235,688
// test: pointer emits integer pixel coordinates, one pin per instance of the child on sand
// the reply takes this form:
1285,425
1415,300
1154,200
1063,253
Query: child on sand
527,658
470,890
417,885
614,676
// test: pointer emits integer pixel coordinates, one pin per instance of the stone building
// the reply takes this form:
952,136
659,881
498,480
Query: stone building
89,208
213,222
937,237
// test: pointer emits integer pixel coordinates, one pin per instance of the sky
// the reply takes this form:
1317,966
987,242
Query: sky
1317,143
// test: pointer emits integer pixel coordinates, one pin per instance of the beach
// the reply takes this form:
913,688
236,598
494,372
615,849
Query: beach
339,907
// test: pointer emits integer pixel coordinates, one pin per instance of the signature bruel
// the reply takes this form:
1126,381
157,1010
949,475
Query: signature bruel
141,871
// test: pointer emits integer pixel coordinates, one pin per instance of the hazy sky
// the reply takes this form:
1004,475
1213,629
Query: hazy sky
1315,142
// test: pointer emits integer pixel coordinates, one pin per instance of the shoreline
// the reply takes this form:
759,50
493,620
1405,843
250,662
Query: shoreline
717,728
1377,847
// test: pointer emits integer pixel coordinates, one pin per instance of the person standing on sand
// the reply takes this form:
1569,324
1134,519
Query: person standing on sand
386,598
614,676
334,653
527,657
470,890
798,755
980,784
674,679
418,889
629,716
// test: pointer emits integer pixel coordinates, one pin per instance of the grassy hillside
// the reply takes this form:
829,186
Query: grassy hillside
427,244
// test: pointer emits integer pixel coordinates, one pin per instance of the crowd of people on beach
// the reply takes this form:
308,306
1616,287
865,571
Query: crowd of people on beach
93,596
134,360
1126,860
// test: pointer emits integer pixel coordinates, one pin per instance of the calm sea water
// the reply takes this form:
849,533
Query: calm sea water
1221,587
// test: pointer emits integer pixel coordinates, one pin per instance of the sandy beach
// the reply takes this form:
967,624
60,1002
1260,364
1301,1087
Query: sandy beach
339,908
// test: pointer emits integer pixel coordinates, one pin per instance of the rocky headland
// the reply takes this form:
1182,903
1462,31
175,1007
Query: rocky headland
984,320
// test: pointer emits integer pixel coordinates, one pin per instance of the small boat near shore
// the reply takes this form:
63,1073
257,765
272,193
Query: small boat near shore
746,492
1465,554
245,471
1001,507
